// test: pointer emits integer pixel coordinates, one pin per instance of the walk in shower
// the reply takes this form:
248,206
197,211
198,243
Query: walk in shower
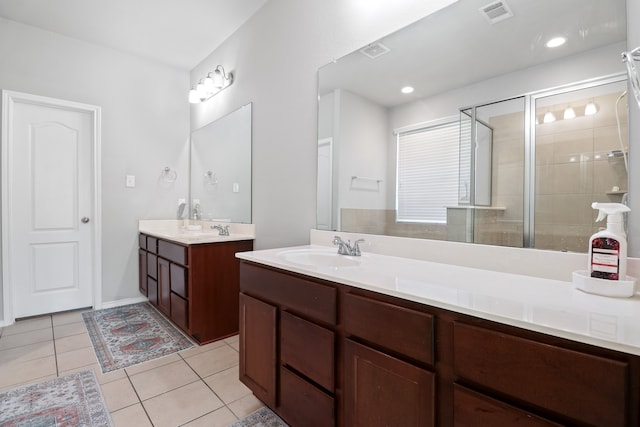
536,164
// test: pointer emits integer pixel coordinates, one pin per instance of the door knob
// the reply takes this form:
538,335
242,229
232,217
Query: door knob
85,220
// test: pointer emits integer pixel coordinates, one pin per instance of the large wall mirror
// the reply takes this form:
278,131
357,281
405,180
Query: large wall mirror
466,126
220,167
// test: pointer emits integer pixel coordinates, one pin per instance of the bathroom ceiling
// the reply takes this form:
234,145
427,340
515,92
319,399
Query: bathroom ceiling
458,46
180,33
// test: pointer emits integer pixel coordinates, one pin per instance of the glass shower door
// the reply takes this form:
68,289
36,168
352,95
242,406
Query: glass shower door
492,160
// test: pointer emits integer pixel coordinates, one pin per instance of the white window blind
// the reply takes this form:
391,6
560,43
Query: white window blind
428,166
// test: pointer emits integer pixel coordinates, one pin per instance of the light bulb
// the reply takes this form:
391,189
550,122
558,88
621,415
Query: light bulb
406,89
590,109
200,91
217,79
209,87
549,117
193,97
569,113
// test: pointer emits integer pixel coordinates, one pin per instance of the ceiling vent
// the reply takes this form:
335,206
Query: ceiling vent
496,11
374,50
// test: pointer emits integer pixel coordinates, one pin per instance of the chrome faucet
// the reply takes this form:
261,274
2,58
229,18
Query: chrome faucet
345,248
196,212
222,231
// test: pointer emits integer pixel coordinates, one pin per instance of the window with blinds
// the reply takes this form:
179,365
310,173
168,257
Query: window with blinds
428,171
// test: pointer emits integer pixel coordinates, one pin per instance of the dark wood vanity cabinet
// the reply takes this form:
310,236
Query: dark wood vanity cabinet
288,344
321,353
195,286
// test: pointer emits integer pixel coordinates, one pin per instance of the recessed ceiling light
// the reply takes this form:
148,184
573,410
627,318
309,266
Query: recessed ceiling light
406,89
556,41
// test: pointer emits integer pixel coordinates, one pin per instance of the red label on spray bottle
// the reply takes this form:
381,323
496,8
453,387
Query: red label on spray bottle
605,258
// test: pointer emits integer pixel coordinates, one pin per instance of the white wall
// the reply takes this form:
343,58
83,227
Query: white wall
362,149
275,58
145,127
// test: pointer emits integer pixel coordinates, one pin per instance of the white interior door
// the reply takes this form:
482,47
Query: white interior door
50,204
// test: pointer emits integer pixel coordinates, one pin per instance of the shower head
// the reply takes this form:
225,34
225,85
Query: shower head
630,58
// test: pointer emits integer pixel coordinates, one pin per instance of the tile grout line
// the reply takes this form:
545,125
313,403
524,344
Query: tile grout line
137,395
224,404
206,385
55,350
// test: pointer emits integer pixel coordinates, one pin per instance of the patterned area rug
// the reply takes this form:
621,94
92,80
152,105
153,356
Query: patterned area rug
263,417
132,334
72,400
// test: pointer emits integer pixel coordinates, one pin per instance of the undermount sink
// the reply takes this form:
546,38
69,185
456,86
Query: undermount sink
318,258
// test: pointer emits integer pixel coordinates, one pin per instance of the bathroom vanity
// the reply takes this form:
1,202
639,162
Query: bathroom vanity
380,340
192,278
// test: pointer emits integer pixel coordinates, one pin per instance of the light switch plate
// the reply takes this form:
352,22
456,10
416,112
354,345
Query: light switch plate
130,181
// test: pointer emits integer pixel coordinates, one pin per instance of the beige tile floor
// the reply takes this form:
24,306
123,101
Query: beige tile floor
195,387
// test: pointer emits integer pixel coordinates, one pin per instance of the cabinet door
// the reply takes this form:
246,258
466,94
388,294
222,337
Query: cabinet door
142,271
258,348
381,390
164,286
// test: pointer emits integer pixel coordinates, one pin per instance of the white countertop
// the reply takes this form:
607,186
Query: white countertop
195,232
553,307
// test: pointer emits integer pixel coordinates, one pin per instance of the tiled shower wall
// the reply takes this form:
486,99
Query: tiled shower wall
573,170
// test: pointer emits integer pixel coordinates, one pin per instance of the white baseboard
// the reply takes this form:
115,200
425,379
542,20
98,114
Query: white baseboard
125,301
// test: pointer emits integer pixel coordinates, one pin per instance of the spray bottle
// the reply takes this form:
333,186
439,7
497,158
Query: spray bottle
608,248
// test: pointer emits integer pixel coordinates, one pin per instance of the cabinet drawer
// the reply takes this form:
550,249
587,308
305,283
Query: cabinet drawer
398,329
471,409
290,292
302,404
380,390
179,311
152,244
173,252
178,280
142,241
586,388
308,349
152,265
152,291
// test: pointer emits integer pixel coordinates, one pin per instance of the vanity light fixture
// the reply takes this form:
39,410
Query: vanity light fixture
569,113
216,81
549,117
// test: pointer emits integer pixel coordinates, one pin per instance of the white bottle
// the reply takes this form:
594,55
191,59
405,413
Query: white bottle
608,248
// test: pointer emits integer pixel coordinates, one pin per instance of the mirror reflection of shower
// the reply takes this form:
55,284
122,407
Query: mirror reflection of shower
552,154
